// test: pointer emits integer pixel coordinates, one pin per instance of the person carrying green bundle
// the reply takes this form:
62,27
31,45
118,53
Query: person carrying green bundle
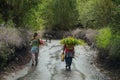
69,55
68,50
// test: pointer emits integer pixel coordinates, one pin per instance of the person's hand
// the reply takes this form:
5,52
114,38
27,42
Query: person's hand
63,52
30,43
73,56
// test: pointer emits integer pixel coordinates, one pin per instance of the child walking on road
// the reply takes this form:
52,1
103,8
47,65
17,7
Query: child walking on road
35,42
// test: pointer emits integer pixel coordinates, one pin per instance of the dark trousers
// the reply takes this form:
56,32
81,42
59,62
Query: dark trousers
68,61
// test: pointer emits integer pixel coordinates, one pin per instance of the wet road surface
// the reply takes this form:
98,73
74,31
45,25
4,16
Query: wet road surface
50,66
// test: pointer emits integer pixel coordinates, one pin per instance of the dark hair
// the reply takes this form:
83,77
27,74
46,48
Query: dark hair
35,34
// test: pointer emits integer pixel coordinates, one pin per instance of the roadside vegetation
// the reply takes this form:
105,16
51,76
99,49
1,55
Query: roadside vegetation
17,17
12,42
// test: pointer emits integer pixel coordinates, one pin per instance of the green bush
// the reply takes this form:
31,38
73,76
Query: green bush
115,48
109,42
5,51
103,38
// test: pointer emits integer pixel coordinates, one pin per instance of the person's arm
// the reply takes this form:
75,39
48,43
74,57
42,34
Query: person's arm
73,52
30,42
41,41
64,48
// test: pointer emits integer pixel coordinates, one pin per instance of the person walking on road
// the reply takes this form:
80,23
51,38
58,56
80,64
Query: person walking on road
49,37
68,51
35,42
46,36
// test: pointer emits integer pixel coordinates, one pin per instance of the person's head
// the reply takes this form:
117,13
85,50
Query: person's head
35,35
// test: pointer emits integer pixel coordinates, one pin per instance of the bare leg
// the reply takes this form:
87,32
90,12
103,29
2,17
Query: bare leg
33,59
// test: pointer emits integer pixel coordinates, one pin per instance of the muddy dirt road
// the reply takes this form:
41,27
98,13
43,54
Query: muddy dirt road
50,66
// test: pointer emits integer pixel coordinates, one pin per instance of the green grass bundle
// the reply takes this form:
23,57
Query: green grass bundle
72,41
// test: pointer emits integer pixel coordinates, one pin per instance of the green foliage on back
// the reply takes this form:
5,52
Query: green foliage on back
104,37
72,41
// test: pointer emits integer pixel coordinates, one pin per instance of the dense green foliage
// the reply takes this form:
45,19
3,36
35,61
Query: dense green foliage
116,19
104,37
40,14
15,9
103,15
33,19
62,15
110,42
114,50
95,13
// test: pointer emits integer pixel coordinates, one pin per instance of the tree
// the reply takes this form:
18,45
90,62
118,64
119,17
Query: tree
61,14
95,13
15,9
116,16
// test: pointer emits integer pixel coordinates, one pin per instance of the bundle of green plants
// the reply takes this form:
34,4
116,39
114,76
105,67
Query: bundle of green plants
72,41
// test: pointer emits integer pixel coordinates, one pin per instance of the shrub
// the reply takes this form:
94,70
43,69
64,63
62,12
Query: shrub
5,51
11,39
115,48
103,38
10,36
